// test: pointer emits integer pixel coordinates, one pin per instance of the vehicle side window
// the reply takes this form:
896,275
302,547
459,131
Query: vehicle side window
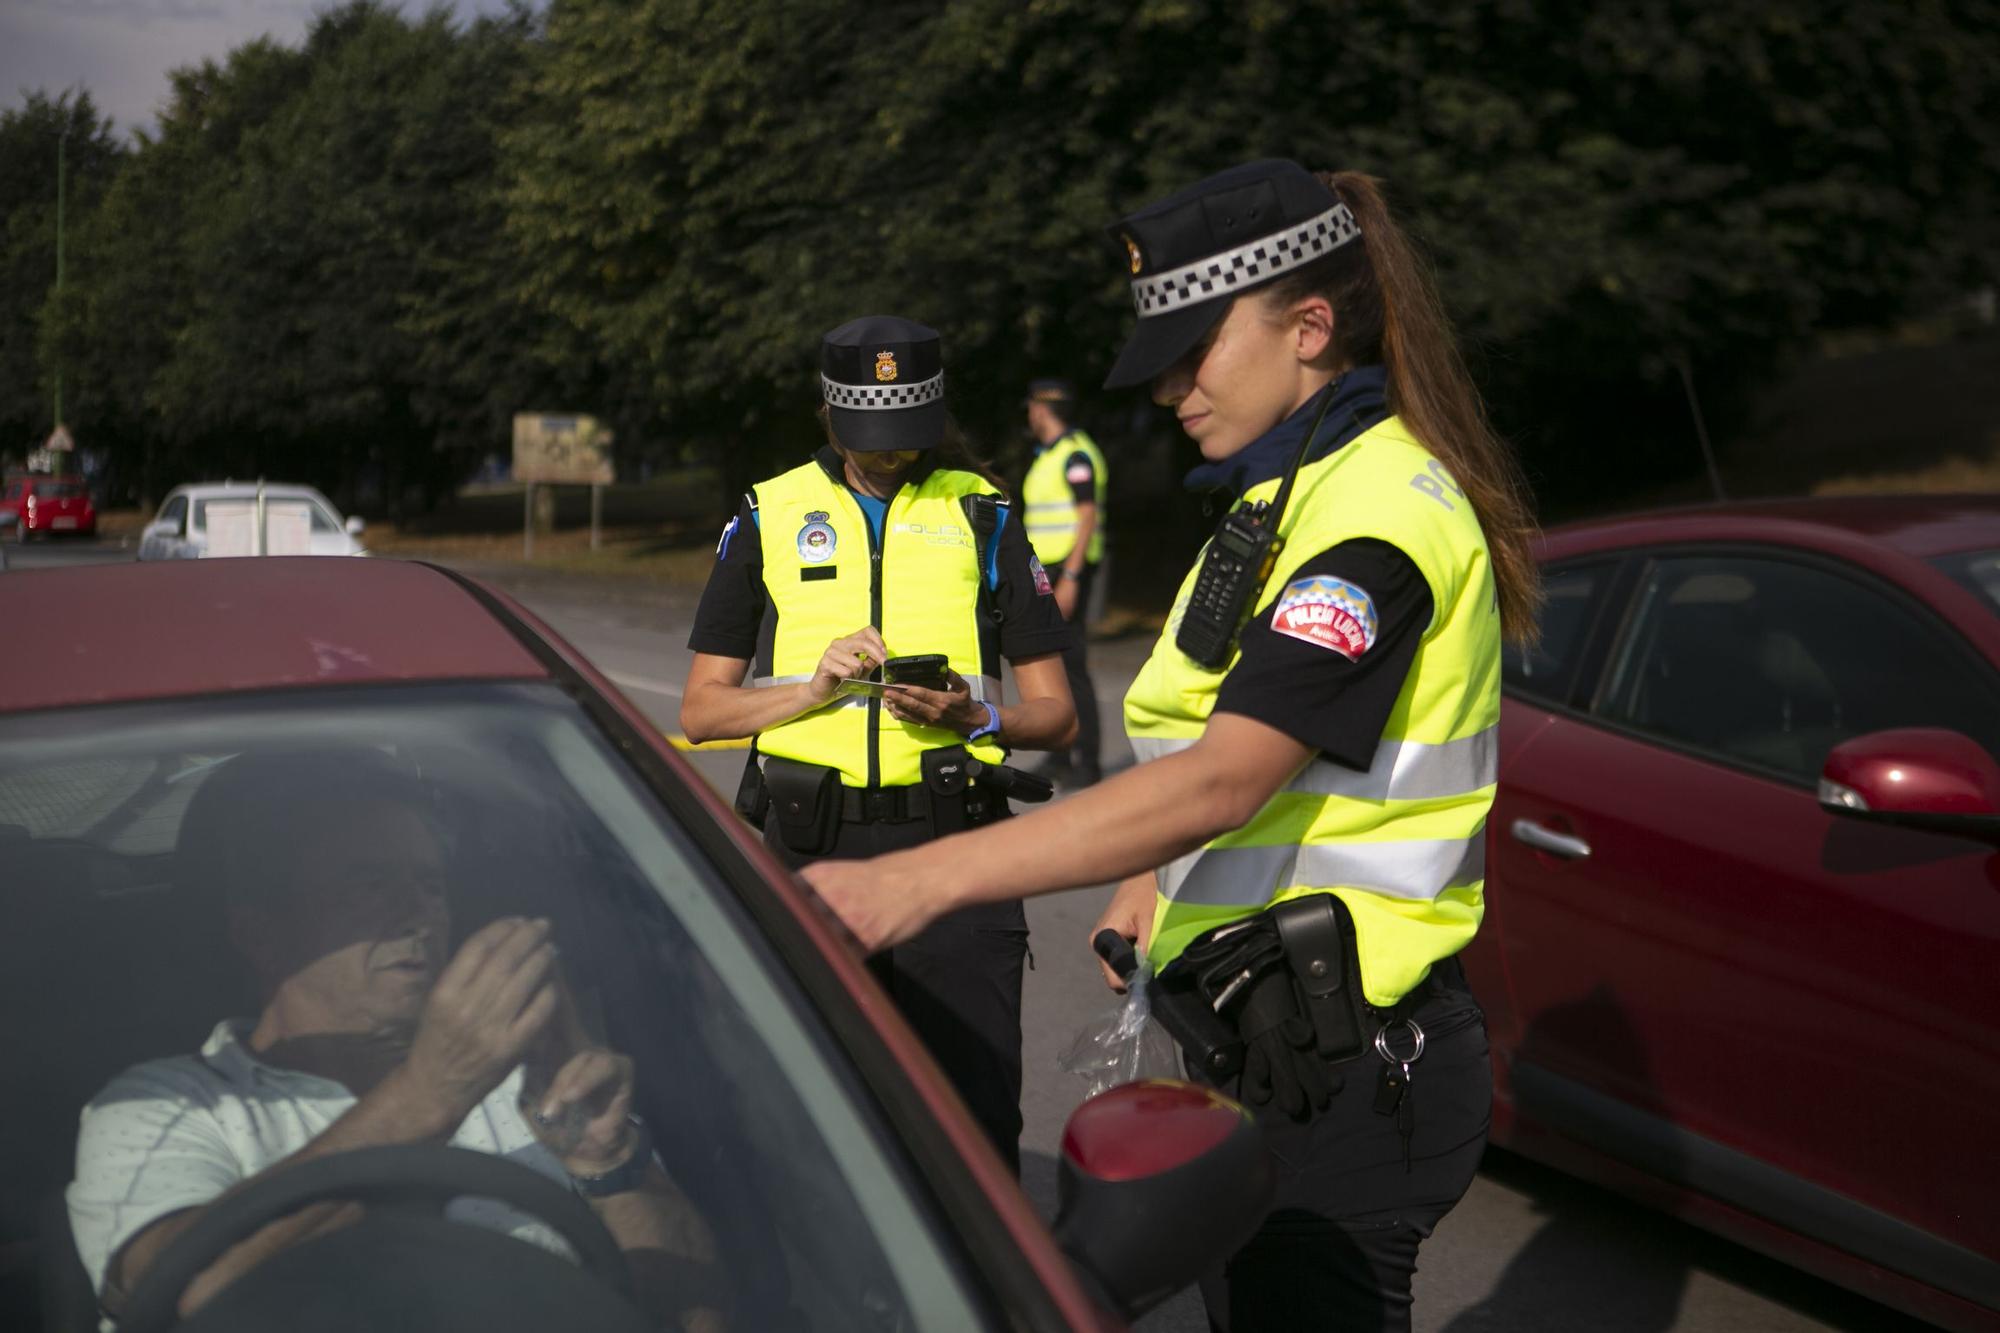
175,512
1548,669
13,492
1773,663
323,521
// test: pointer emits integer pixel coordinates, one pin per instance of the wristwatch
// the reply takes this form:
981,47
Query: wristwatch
627,1175
991,726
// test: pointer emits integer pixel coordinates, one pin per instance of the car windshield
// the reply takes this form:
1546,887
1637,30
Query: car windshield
60,490
321,520
168,869
1977,570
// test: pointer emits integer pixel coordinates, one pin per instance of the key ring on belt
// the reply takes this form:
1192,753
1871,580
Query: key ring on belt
1382,1043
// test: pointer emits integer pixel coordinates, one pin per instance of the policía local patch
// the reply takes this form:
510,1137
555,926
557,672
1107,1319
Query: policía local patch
816,539
1329,612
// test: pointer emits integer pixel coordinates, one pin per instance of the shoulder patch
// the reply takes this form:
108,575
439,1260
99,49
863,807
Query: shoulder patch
1080,471
722,546
1329,613
1041,576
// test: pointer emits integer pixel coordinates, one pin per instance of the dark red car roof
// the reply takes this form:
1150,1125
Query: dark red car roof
100,633
1914,525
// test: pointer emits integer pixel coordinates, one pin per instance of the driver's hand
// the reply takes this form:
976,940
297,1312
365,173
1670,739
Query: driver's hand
583,1115
491,1002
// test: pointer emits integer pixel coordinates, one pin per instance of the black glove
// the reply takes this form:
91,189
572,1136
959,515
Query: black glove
1282,1066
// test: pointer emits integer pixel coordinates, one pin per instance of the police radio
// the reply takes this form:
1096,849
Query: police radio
1239,561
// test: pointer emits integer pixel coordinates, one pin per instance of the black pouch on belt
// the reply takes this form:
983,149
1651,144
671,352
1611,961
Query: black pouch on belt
946,779
1318,934
805,798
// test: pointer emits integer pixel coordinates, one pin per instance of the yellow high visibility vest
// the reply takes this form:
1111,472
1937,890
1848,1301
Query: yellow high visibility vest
1051,505
827,577
1403,844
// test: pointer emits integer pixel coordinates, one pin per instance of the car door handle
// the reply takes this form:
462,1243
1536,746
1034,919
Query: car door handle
1550,841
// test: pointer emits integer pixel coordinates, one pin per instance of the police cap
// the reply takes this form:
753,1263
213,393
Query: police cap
1195,251
1060,392
883,382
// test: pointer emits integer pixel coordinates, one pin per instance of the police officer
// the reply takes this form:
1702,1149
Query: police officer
887,543
1315,784
1064,498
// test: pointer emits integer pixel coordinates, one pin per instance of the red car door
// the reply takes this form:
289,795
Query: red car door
1715,978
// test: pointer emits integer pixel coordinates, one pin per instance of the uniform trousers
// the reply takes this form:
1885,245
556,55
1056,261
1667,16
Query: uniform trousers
1084,752
1338,1250
957,983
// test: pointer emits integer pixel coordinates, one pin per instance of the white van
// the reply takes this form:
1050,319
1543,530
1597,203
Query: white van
248,518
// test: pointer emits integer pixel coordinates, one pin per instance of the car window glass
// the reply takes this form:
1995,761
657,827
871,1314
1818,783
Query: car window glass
1773,663
129,847
175,511
1978,571
323,521
13,491
1548,669
61,490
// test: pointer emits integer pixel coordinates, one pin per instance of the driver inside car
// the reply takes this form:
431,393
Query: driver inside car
372,1032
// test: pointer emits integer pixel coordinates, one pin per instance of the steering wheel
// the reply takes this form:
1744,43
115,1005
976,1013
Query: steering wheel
408,1183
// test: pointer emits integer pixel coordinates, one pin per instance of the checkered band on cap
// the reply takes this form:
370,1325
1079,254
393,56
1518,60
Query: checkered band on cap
1246,265
882,397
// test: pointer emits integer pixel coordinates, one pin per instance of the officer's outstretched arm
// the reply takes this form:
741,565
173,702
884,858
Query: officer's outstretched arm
1142,818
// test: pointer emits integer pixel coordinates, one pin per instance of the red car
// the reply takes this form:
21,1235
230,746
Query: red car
844,1185
1743,893
49,505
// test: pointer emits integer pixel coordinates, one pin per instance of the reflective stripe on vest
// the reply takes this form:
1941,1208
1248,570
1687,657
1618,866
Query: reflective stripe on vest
1403,843
824,582
1050,504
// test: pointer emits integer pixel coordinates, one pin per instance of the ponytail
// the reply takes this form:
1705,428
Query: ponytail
1386,310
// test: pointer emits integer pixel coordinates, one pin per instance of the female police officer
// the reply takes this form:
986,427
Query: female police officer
1319,774
879,546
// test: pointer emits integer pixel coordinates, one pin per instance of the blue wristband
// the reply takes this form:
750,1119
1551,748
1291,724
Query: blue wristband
992,727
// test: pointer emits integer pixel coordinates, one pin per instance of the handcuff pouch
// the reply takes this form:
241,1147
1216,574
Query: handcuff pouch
1318,937
753,798
805,798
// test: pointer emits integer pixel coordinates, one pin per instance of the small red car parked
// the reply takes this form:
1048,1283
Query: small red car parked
1743,892
49,505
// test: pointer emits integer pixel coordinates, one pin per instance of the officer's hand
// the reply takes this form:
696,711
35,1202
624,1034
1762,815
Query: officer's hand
1130,913
952,708
1066,593
847,658
881,905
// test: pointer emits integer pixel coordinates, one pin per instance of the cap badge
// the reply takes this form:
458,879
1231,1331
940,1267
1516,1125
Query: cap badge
1132,249
885,367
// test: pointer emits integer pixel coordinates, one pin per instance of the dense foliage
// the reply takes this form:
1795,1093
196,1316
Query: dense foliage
353,260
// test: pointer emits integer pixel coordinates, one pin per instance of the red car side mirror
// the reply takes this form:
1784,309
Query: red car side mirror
1918,777
1159,1182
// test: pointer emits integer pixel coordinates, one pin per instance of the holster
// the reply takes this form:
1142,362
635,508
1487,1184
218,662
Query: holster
805,800
949,783
1210,1043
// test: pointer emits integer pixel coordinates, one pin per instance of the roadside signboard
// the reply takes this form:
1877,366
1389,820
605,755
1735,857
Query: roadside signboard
563,449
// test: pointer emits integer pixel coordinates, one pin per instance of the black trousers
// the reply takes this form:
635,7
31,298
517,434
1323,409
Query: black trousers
958,984
1084,751
1338,1250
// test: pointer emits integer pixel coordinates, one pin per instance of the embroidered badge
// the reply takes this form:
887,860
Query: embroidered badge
1079,473
722,546
1132,249
817,539
1042,584
885,366
1329,612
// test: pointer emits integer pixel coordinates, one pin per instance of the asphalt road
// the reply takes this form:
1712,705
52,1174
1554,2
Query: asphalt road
1528,1251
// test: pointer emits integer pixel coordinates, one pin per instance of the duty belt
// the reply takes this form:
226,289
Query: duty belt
879,805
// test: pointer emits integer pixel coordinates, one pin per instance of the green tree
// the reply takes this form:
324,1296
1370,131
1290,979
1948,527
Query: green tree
31,136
